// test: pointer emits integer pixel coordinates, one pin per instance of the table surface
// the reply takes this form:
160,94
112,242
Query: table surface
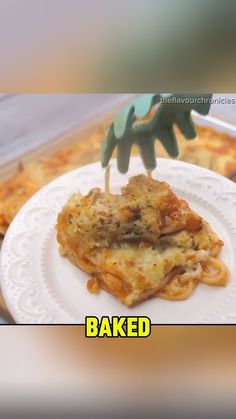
28,121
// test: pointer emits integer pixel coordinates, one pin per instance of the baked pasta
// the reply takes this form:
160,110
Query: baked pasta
143,242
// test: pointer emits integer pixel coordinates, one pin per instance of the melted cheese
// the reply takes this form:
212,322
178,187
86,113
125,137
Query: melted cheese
134,268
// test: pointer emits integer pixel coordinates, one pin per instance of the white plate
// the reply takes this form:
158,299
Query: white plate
42,287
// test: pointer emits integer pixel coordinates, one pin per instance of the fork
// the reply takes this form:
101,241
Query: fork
141,122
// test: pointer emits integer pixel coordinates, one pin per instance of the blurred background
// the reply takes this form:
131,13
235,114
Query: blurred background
56,372
126,46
